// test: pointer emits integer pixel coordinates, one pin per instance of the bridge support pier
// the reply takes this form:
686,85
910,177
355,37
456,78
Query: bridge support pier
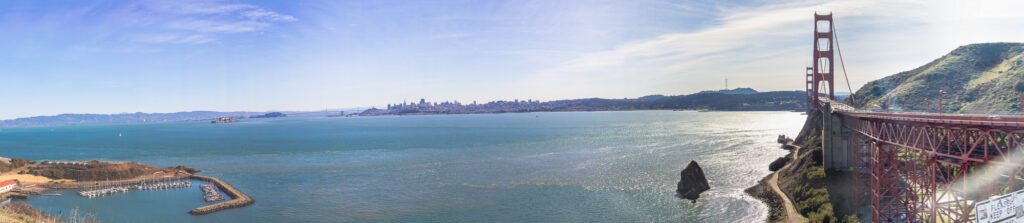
837,143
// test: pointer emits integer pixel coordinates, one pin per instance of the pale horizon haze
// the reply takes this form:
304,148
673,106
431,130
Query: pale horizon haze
168,56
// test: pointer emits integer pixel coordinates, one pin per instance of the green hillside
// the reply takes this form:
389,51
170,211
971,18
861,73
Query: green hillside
986,76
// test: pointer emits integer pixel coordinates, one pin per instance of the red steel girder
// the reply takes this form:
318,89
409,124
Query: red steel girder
924,170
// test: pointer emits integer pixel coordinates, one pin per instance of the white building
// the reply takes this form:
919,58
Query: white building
8,185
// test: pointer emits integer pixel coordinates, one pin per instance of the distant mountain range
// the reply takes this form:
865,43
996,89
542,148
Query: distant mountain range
139,117
733,91
710,100
740,99
987,77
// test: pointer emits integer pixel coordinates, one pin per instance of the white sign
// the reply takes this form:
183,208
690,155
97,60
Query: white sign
996,209
1019,210
1008,208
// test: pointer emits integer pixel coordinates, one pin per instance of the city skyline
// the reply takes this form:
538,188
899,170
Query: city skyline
156,56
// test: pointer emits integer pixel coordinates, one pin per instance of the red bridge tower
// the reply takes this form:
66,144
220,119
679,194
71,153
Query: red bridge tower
822,68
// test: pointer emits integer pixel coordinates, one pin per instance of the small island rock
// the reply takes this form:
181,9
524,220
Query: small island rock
692,182
271,115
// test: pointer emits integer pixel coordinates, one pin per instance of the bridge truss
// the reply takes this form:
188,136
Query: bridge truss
934,167
917,167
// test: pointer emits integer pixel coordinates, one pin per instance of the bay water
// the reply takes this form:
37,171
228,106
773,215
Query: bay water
518,167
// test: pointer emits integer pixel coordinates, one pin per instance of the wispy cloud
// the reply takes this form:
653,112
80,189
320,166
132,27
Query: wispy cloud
197,7
173,38
263,14
213,26
746,43
198,22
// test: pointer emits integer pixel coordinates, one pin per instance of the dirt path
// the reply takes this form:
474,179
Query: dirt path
791,214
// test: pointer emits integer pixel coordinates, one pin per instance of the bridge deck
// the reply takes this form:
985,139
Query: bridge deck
976,120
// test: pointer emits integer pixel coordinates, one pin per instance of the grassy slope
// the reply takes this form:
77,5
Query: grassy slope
20,212
987,77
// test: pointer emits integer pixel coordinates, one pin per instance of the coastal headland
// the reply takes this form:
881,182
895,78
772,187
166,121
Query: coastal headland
36,178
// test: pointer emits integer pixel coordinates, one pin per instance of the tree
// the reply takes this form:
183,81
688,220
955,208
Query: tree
876,90
17,162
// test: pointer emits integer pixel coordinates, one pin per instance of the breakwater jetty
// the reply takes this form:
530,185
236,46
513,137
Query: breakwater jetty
238,199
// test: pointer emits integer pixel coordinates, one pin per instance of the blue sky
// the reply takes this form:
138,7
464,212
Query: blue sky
167,56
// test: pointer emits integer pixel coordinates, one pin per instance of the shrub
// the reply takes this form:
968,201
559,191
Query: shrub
824,214
813,199
876,90
1019,87
851,219
817,154
814,174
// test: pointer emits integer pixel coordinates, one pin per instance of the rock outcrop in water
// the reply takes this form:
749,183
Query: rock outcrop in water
779,163
692,182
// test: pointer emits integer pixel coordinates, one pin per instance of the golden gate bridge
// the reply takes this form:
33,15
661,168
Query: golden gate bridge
914,166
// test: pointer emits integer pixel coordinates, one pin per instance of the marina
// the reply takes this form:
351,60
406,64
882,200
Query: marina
214,191
122,189
102,192
164,186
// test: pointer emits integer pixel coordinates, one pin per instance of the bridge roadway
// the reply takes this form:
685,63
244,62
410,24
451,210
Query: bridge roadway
923,167
931,118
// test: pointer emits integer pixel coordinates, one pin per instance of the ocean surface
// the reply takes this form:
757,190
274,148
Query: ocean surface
523,167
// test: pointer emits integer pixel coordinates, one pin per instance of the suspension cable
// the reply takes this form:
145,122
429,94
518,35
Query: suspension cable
840,51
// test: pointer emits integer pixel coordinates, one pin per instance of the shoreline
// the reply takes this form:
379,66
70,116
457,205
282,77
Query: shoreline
781,208
779,205
526,112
